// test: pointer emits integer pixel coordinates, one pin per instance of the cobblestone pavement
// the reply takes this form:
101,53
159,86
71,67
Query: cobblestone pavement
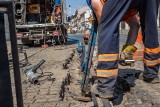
51,88
136,94
64,84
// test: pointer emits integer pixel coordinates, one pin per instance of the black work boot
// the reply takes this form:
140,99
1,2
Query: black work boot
100,94
149,80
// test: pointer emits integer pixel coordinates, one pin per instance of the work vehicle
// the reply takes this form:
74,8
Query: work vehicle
40,21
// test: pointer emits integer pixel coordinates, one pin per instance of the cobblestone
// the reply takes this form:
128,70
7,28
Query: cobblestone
51,104
47,93
54,99
29,101
36,105
44,100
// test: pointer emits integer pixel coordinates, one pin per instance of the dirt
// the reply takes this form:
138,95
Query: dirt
134,92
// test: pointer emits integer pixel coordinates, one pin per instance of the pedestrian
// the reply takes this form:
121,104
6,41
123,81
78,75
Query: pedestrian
108,43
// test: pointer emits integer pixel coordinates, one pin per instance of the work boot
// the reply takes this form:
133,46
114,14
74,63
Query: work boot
100,94
149,80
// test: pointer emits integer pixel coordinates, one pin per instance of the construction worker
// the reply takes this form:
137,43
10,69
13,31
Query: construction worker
131,19
57,11
108,43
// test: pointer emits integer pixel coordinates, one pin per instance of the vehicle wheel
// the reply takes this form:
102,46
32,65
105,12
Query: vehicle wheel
31,44
26,41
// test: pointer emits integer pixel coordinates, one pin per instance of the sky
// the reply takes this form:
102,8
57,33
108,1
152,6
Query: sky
74,5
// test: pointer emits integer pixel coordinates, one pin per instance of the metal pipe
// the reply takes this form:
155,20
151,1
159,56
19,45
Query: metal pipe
6,99
14,49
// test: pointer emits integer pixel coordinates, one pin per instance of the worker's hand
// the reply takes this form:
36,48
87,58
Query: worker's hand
127,54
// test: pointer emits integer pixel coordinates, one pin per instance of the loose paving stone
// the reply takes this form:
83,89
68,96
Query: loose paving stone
29,101
30,97
44,86
63,104
45,92
139,105
53,93
54,99
44,100
27,105
40,96
31,94
32,90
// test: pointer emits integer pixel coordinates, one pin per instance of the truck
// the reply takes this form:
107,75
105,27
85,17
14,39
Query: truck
40,21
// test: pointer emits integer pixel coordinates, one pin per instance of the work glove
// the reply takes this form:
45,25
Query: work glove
127,53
